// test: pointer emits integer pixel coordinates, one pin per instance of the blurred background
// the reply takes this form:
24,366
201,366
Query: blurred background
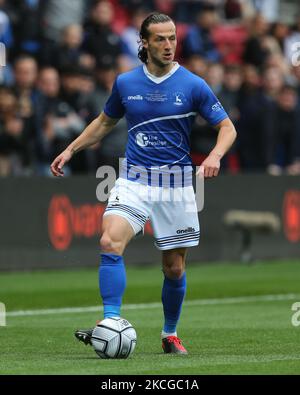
62,58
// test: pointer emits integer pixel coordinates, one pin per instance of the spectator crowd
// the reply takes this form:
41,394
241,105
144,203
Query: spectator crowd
62,57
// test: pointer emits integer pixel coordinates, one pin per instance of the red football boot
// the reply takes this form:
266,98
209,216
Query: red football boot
172,344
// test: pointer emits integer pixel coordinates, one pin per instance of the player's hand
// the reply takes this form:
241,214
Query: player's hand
210,167
59,162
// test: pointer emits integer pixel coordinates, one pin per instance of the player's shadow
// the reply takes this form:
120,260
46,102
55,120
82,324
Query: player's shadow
142,354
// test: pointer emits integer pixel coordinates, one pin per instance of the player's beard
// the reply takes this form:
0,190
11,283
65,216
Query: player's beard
158,61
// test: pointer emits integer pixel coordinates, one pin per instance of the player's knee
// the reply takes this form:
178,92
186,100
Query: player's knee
107,244
174,271
174,264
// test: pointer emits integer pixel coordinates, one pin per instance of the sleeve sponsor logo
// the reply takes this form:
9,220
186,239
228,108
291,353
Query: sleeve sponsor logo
217,107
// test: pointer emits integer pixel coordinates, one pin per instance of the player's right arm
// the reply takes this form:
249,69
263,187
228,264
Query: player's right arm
91,135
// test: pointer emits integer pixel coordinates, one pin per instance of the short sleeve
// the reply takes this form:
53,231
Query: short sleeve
114,107
208,105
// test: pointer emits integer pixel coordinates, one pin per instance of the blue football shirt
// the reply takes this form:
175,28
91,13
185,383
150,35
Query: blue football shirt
159,113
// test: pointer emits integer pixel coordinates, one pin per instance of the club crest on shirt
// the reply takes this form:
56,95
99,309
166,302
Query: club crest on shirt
178,98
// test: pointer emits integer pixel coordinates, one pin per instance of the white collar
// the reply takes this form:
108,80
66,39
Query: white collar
158,80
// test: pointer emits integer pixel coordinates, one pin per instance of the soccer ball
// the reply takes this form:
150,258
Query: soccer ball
114,338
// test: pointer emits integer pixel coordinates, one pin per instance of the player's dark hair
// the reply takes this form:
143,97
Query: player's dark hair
154,17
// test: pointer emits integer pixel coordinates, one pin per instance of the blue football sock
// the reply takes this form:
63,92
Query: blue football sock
112,283
173,293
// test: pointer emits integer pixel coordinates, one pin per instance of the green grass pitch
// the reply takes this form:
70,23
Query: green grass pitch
232,323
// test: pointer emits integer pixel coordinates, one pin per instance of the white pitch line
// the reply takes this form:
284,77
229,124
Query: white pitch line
196,302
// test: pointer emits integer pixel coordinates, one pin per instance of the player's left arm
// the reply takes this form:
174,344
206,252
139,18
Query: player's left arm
210,167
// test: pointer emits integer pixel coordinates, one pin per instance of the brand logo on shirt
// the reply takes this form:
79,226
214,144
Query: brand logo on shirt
217,107
187,230
136,97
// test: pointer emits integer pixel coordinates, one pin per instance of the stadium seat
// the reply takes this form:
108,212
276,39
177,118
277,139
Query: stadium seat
181,30
248,223
230,40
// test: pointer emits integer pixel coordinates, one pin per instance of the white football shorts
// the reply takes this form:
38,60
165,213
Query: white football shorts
172,212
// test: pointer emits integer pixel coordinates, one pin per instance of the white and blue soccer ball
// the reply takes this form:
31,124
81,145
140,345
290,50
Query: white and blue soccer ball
114,338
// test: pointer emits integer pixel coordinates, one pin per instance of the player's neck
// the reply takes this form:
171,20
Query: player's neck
159,71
